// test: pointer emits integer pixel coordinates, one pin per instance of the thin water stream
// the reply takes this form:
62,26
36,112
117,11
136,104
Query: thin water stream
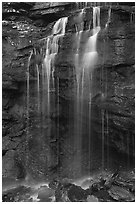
28,105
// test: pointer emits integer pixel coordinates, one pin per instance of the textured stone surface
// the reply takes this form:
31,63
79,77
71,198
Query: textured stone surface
8,165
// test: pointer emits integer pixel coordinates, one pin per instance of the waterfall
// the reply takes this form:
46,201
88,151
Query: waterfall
60,25
28,78
48,81
78,39
38,82
28,102
84,70
90,56
51,51
85,60
96,17
77,119
89,61
58,32
46,71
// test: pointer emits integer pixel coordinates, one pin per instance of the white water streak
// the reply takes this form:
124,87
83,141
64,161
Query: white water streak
38,81
109,18
78,102
28,102
38,88
90,56
51,51
60,25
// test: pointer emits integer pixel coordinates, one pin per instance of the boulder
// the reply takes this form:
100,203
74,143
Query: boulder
121,194
45,194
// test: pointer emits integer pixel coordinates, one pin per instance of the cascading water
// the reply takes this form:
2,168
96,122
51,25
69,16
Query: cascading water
51,51
90,55
60,25
52,46
85,60
89,61
28,79
84,79
44,88
28,102
47,71
77,121
84,65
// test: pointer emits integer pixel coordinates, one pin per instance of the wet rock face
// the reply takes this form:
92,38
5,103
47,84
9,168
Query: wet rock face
118,103
118,77
19,34
113,77
24,24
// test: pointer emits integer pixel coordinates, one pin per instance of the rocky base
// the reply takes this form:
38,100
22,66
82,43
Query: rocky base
103,187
